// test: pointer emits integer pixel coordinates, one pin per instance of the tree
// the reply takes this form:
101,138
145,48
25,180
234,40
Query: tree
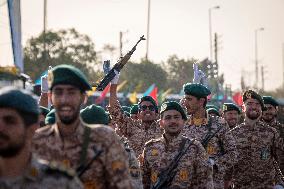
141,75
62,47
180,71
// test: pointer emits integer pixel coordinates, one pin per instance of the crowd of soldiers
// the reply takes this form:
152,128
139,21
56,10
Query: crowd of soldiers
177,145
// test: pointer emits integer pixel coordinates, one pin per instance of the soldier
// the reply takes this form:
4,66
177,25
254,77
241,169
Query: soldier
211,131
97,115
93,150
192,170
137,131
19,168
255,142
213,112
269,116
134,111
231,113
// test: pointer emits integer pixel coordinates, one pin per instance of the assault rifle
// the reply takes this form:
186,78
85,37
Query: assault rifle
166,177
117,67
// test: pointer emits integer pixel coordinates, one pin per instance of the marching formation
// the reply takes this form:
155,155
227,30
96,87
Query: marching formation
61,142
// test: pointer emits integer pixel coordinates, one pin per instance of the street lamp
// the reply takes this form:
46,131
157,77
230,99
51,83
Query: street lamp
148,30
210,30
256,55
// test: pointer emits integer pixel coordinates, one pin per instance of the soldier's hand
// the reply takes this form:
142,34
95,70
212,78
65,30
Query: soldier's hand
44,84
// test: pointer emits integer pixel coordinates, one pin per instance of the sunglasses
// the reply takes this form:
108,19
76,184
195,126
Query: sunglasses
144,107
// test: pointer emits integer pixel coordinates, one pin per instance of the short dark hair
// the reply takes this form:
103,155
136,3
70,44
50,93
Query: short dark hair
29,118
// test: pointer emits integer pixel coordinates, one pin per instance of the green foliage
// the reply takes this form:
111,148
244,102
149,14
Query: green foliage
141,75
62,47
180,71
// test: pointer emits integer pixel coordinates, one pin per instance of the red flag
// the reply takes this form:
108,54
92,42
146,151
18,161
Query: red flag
237,97
154,93
103,95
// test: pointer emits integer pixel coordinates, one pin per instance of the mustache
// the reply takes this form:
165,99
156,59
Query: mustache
3,136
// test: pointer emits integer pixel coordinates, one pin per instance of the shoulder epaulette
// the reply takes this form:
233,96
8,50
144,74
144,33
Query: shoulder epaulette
152,141
55,168
44,131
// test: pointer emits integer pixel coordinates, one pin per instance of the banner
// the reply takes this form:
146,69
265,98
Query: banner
14,9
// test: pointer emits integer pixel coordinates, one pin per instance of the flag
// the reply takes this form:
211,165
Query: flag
103,95
14,8
237,97
149,90
133,97
154,93
121,85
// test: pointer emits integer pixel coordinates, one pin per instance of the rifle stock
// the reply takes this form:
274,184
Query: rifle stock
117,67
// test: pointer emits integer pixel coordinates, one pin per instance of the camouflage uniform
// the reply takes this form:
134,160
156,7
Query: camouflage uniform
221,147
110,168
135,171
135,131
280,154
40,175
194,170
255,166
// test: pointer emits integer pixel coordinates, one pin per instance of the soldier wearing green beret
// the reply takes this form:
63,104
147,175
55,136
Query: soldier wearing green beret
19,168
134,111
269,116
43,112
137,131
213,112
231,113
210,130
192,170
255,143
75,143
97,115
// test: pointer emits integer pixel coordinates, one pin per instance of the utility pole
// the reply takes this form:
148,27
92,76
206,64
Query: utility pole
120,44
216,47
262,78
148,31
283,62
44,30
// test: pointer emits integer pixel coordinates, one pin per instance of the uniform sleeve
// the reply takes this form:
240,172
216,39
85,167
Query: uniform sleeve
278,142
227,142
75,183
123,122
146,172
117,166
203,177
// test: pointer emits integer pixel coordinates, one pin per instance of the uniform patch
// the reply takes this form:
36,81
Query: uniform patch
117,166
210,149
34,172
154,152
154,177
66,163
90,185
183,175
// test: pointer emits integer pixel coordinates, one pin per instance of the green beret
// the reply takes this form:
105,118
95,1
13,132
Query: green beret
94,115
252,94
196,89
126,108
134,109
213,111
230,107
149,99
211,106
67,74
172,105
50,118
19,99
270,100
43,110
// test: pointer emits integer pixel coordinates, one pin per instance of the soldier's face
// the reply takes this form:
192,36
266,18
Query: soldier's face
147,111
13,133
269,114
67,100
252,108
232,118
192,104
172,122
